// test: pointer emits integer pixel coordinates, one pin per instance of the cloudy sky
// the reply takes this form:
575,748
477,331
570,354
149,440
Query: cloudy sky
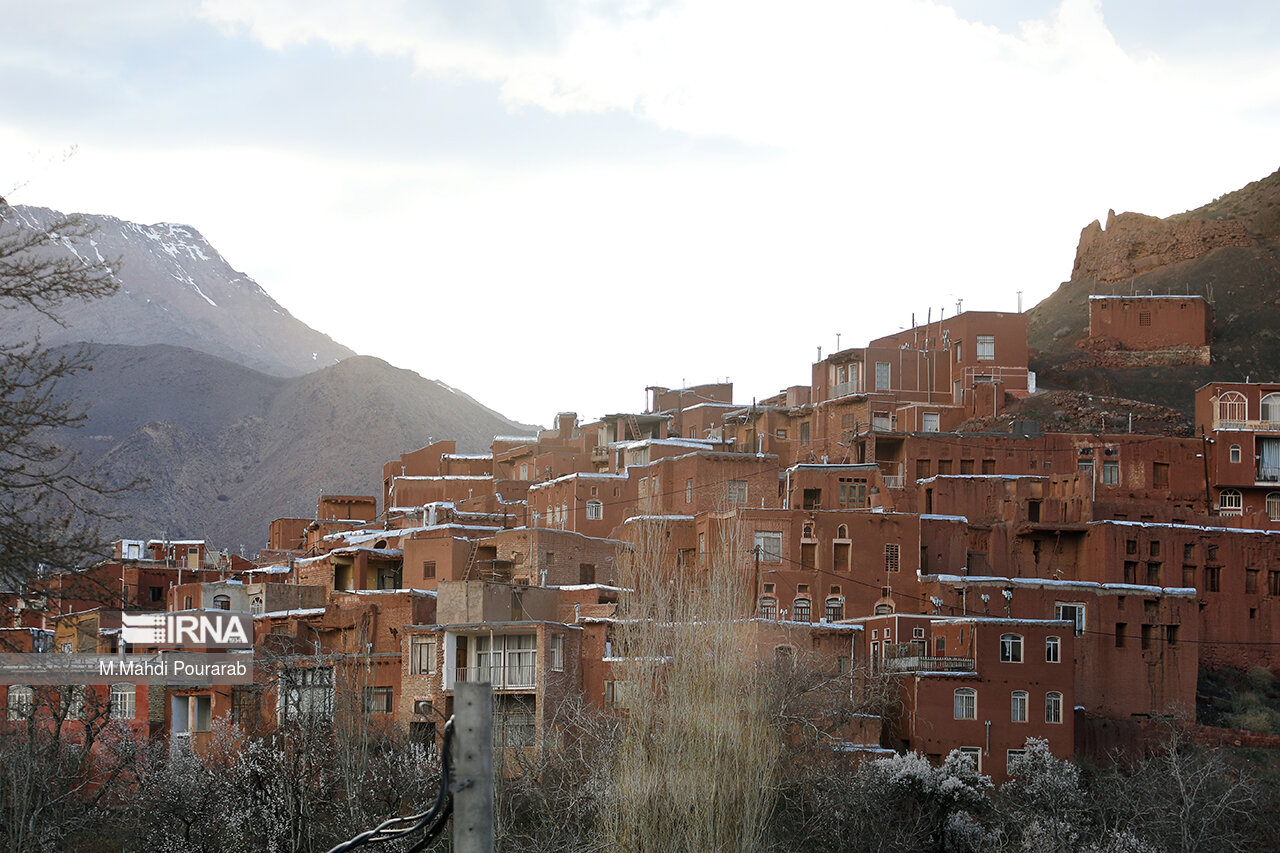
554,203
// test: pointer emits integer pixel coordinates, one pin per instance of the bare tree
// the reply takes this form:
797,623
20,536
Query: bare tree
47,512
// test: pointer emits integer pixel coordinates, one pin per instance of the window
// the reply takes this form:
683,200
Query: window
428,569
1144,318
422,655
1111,472
595,510
1230,502
1273,506
1011,648
1271,408
1053,707
966,466
800,610
222,602
306,692
965,703
944,466
769,546
922,469
688,491
891,557
257,605
881,420
737,492
835,609
1018,706
1131,571
959,351
122,701
1153,573
377,700
988,466
1052,650
974,754
557,652
1160,475
156,593
21,701
1213,578
804,433
882,376
1232,409
780,434
1120,632
768,608
1073,613
73,701
1235,453
614,694
1250,580
1012,759
986,347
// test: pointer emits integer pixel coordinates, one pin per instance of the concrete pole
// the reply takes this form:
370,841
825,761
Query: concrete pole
473,768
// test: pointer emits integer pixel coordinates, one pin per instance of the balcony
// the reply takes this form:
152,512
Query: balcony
1251,426
513,676
844,389
599,454
928,663
1268,474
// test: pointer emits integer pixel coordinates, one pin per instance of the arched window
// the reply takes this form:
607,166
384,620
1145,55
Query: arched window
222,602
256,605
800,610
595,510
1271,408
966,703
1053,707
1230,502
768,608
1018,706
1011,648
21,699
122,701
1273,506
1233,409
835,609
842,532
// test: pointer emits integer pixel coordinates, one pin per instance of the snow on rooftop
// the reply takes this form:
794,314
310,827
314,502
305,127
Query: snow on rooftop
981,477
577,475
268,570
934,517
1147,296
1176,526
1040,583
301,611
658,518
466,456
519,439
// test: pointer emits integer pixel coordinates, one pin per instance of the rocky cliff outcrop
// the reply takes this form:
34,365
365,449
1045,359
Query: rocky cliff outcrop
1133,244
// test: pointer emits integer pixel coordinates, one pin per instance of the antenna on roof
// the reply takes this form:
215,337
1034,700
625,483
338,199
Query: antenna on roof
1019,301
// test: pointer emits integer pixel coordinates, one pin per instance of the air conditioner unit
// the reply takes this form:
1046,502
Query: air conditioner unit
422,707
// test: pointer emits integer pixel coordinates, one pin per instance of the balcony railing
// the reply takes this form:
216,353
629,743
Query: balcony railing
1268,474
928,663
893,481
1254,426
512,676
843,389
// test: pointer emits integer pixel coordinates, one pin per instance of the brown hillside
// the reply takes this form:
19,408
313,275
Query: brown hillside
1227,251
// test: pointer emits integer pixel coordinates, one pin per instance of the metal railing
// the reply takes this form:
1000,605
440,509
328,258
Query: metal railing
928,663
511,676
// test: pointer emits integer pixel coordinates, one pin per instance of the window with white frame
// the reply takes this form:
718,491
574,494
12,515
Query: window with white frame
1230,501
737,492
422,655
1072,612
1011,648
835,609
986,347
595,510
1052,650
768,545
1053,707
557,652
1234,453
1233,409
800,610
1012,758
965,703
688,491
1273,506
1018,706
20,700
1111,472
883,376
123,701
929,422
768,608
307,692
1271,409
974,754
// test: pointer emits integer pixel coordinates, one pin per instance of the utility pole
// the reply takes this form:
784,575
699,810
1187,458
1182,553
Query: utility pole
473,758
